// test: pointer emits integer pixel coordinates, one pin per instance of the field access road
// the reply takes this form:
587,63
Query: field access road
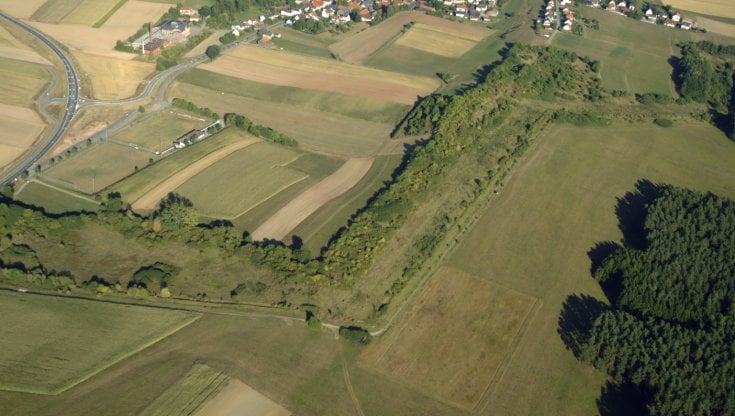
72,98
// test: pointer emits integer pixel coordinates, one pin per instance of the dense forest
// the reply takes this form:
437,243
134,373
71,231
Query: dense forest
670,327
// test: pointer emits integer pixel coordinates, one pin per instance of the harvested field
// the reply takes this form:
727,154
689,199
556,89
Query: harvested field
318,131
158,131
290,216
714,26
21,82
301,71
12,48
111,78
21,9
721,8
51,344
189,394
19,128
439,40
359,47
89,12
240,399
98,167
53,11
242,180
457,334
152,197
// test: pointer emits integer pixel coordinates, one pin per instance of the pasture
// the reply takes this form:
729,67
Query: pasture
189,394
50,344
89,12
294,70
559,203
454,339
98,167
317,131
113,78
22,82
54,199
238,182
158,131
19,128
439,40
53,11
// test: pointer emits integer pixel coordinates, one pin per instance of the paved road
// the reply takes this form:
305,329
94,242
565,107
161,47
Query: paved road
38,150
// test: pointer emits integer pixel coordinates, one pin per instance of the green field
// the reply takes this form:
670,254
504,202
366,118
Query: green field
363,108
95,168
242,180
158,131
53,11
198,385
22,81
53,200
295,41
559,203
51,344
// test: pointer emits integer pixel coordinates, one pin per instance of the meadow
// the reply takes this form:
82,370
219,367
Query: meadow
159,130
305,43
535,238
53,199
50,345
199,385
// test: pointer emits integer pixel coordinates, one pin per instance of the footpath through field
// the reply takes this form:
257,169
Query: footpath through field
150,199
296,211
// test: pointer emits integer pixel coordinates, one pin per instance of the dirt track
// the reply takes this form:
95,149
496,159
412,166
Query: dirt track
293,213
151,199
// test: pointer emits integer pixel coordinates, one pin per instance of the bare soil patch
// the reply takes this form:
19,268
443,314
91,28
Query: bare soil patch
457,334
290,216
113,78
151,199
359,47
238,399
21,9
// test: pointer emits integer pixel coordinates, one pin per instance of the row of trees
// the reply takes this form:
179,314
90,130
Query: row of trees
193,108
243,123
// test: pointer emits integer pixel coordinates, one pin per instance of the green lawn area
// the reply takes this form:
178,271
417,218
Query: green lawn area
558,204
293,40
53,200
51,344
242,180
158,131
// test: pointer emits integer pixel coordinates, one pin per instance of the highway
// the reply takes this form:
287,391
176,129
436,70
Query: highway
72,98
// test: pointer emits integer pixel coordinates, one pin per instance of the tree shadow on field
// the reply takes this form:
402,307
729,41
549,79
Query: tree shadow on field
578,314
631,211
621,399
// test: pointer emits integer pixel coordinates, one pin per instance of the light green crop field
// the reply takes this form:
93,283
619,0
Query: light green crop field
317,131
558,204
158,131
295,41
189,394
363,108
242,180
53,11
90,12
51,344
53,200
22,81
95,168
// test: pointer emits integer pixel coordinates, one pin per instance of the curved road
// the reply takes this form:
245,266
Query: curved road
72,98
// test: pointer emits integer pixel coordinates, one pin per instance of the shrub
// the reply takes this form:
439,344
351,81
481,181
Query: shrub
663,122
355,334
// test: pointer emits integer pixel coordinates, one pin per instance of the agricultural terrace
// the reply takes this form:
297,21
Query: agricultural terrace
22,82
248,177
21,9
51,344
720,8
12,48
112,78
294,70
157,131
54,199
19,128
95,168
189,394
532,215
315,130
479,323
440,40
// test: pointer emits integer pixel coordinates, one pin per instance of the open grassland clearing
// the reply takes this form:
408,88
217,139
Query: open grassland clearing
721,8
19,128
21,9
189,394
294,40
54,199
362,108
439,40
479,321
53,11
292,214
113,78
240,399
158,131
238,182
51,344
12,48
301,71
559,204
90,12
95,168
316,131
22,82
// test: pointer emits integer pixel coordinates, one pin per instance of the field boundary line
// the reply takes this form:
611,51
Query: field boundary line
48,185
283,188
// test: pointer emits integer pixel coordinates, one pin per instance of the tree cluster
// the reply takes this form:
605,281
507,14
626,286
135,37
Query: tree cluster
193,108
243,123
